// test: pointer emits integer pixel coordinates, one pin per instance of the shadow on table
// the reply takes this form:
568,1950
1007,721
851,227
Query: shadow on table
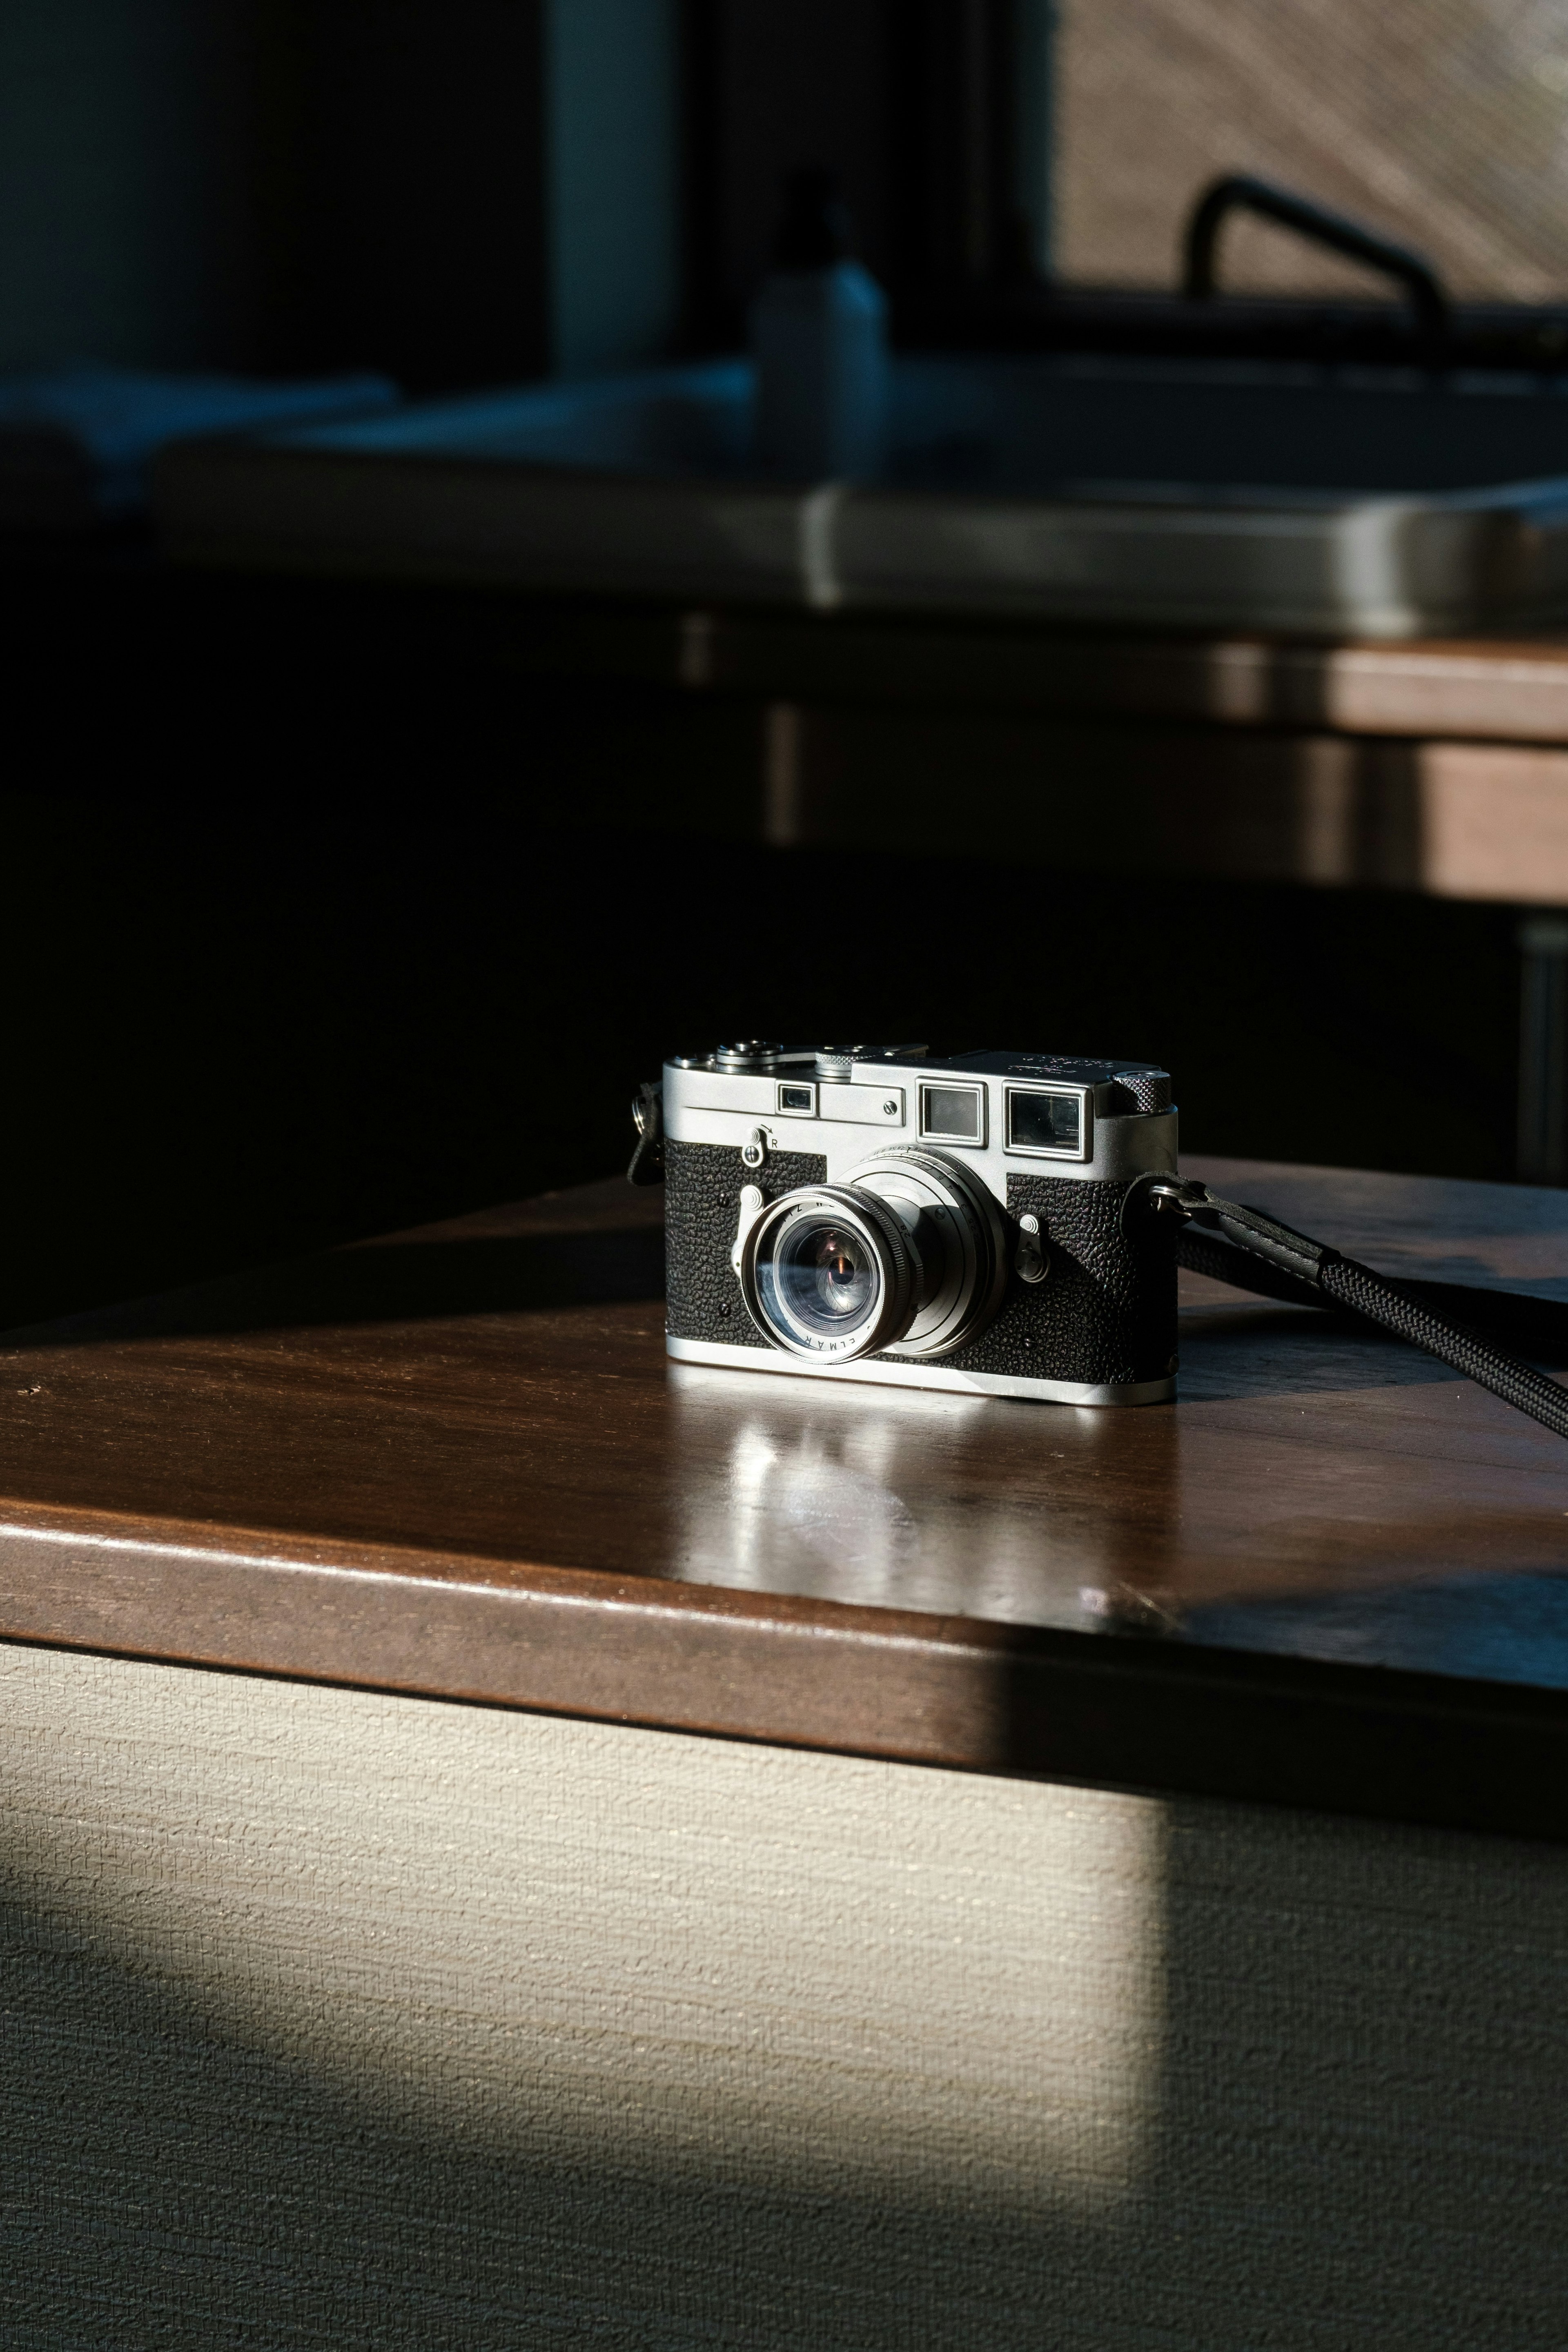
1274,1351
1249,1349
388,1282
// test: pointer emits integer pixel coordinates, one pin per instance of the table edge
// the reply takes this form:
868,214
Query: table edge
1160,1716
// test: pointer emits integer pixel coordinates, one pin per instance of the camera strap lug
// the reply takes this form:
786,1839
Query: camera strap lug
752,1207
1250,1229
647,1116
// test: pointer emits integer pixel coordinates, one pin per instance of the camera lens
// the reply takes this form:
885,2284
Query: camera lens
826,1275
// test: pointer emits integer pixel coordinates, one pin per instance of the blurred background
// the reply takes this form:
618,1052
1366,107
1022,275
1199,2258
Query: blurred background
335,905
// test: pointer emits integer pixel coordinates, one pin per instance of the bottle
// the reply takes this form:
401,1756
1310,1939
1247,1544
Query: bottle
819,338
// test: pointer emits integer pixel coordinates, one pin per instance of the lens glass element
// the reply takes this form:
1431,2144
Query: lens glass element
824,1276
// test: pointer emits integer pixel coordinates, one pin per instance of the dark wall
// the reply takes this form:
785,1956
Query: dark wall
297,185
250,1026
128,154
274,185
405,184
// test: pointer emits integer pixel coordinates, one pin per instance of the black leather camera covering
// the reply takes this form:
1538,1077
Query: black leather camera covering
702,1185
1105,1315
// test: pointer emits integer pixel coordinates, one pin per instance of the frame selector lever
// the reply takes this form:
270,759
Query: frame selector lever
752,1207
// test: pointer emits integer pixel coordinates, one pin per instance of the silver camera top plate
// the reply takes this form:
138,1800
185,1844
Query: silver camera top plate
999,1112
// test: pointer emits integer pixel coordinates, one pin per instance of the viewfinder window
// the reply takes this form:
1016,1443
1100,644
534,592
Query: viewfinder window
954,1114
1043,1122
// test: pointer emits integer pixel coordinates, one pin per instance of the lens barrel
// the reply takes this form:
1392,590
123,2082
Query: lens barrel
953,1219
907,1258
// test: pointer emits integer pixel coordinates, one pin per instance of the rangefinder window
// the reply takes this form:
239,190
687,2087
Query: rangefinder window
800,1099
954,1114
1050,1124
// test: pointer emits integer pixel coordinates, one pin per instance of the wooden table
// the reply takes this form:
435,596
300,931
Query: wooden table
898,1869
457,1463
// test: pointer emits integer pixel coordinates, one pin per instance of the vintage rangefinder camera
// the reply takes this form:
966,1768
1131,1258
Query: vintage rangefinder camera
977,1221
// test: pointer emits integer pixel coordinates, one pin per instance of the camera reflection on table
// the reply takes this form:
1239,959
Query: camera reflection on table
893,1497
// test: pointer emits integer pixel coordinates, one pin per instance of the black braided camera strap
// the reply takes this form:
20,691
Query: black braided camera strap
1279,1262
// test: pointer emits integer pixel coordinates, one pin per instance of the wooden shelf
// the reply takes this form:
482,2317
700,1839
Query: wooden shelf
1438,768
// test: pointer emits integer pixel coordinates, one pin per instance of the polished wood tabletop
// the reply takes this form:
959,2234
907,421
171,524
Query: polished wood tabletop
457,1462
